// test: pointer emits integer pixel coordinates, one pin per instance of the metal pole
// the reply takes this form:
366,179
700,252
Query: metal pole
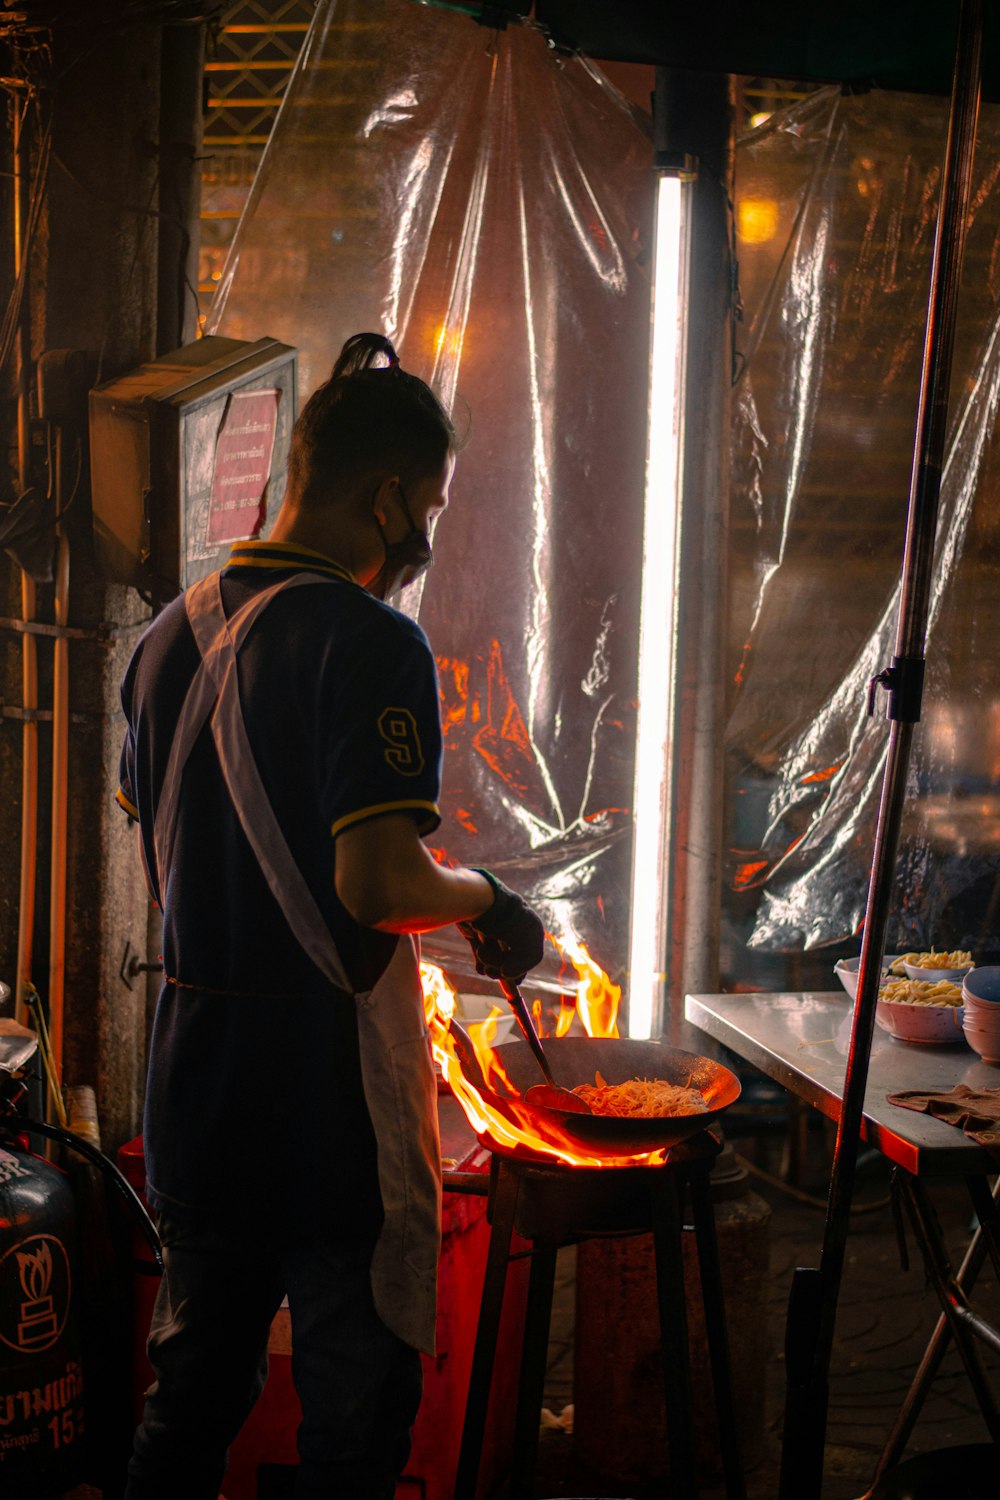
702,116
675,935
813,1303
29,657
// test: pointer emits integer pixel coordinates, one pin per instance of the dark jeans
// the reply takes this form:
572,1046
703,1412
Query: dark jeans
359,1384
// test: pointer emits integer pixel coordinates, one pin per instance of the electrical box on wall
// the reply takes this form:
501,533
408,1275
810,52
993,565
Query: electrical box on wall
187,455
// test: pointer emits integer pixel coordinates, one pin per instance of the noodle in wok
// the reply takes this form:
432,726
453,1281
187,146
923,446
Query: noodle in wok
641,1098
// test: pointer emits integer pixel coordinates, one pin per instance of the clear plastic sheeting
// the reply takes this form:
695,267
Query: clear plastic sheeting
488,206
836,205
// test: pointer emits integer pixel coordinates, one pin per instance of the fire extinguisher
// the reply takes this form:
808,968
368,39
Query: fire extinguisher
42,1391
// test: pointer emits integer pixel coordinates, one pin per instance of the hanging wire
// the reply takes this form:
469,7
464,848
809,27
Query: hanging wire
28,74
46,39
12,312
34,1003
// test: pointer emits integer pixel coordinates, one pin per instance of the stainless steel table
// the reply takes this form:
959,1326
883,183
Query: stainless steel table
801,1041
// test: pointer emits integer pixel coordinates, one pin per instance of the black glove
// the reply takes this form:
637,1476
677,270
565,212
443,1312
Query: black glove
508,939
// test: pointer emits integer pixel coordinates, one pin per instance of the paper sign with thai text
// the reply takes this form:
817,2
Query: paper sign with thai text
242,466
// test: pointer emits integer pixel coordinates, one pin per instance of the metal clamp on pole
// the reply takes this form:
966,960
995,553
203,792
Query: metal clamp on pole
25,715
904,684
104,634
669,127
679,164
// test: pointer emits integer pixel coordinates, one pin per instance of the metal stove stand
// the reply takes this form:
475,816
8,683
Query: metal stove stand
551,1205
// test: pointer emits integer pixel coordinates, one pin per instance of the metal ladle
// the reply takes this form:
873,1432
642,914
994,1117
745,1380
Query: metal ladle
548,1094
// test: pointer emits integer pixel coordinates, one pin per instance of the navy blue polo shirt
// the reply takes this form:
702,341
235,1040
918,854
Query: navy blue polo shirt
254,1096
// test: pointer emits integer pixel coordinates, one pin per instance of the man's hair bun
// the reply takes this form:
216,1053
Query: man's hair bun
364,351
371,413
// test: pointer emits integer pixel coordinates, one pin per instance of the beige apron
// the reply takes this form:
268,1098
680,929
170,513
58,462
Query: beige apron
396,1067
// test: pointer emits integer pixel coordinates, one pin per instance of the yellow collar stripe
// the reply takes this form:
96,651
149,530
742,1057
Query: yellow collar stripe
285,555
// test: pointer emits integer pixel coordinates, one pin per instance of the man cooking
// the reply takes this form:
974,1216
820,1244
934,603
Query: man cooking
282,760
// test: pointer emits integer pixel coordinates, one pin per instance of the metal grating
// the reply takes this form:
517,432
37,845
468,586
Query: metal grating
250,61
255,52
757,98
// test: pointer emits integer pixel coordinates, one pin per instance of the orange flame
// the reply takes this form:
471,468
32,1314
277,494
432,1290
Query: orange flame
497,1111
745,873
825,775
483,1035
597,999
564,1020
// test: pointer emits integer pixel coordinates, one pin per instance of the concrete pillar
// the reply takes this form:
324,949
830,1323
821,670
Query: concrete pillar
179,186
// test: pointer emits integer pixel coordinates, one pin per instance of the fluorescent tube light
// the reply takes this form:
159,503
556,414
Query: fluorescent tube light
657,629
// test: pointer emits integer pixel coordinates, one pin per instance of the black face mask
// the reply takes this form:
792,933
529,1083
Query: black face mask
405,560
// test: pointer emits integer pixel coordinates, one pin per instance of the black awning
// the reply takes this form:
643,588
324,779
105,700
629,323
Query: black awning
891,44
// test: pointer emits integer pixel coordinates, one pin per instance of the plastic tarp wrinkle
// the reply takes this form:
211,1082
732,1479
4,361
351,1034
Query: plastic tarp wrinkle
836,202
489,207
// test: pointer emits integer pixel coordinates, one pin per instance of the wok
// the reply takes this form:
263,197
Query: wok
575,1060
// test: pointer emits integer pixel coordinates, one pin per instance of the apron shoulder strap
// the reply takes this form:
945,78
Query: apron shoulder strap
214,693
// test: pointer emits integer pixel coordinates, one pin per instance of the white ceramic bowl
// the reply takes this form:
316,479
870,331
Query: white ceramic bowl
981,988
983,1012
978,1027
920,1023
846,970
934,976
983,1037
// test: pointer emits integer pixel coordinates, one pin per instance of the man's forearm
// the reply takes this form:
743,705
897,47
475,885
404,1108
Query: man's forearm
388,880
433,897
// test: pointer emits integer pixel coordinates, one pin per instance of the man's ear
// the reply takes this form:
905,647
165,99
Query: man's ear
387,487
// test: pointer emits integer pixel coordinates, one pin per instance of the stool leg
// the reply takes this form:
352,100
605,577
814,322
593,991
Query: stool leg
710,1273
534,1357
664,1190
490,1308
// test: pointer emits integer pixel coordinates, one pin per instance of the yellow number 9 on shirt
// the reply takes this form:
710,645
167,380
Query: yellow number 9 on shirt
398,728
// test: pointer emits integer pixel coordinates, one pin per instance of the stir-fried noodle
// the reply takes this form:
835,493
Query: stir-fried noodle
642,1098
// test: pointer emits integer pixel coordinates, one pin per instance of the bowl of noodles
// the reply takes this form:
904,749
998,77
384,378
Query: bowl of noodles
933,966
921,1010
846,970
